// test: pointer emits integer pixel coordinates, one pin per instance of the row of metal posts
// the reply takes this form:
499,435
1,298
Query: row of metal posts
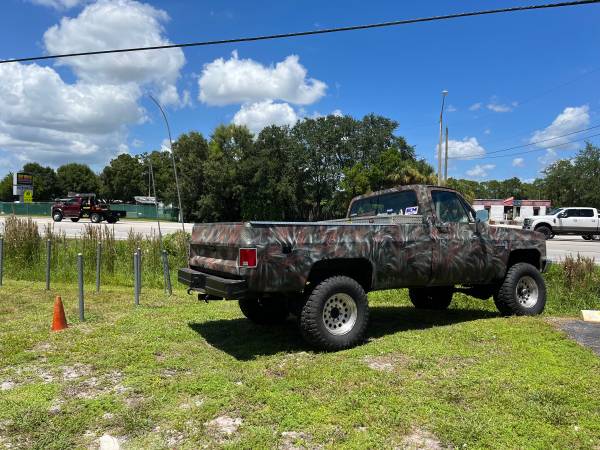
137,272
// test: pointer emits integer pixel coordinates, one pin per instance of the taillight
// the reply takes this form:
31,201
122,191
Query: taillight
247,257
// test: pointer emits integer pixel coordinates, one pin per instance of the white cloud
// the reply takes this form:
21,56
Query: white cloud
501,108
475,106
58,4
225,82
42,118
487,131
469,147
137,143
573,118
548,158
451,108
518,162
257,116
480,171
119,24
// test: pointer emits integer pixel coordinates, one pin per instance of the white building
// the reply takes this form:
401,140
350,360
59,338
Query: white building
511,209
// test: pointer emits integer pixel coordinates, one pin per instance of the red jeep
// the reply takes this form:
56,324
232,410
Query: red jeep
84,205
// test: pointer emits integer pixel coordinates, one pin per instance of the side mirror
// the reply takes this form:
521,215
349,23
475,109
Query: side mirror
562,215
482,215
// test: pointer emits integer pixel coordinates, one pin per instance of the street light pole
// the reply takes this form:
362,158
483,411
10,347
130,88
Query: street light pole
444,93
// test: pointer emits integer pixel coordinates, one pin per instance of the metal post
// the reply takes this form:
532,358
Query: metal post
167,273
98,265
1,259
48,261
80,281
139,252
446,159
136,292
439,174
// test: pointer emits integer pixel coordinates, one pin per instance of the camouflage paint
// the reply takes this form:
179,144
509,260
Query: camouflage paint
416,251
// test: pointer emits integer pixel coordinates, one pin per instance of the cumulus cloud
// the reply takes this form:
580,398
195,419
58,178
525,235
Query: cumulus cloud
119,24
469,147
235,80
501,108
518,162
573,118
58,4
257,116
480,170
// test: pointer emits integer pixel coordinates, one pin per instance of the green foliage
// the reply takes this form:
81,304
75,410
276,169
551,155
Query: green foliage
45,182
6,188
124,178
75,177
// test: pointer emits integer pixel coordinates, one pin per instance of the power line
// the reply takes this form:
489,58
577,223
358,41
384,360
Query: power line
310,32
535,150
532,143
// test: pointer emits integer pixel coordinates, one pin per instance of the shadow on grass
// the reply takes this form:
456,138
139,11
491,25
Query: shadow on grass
245,340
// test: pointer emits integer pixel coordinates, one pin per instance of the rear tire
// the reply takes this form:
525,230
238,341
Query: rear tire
547,232
264,311
96,218
436,298
588,237
74,219
57,216
335,315
111,220
522,293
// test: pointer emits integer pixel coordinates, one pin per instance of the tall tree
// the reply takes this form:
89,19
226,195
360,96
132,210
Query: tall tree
123,179
75,177
6,186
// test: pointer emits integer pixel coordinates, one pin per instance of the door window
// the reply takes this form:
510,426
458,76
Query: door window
393,203
449,207
571,213
586,213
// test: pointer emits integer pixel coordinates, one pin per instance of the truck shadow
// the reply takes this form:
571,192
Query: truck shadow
245,341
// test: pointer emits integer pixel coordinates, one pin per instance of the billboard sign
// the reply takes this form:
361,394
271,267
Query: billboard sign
22,182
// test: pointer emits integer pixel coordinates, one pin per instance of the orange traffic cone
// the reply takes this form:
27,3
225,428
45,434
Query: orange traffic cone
59,321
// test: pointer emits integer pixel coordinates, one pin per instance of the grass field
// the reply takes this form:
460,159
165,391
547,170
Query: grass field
177,373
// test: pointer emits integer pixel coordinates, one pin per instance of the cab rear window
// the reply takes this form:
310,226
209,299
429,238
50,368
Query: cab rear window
403,202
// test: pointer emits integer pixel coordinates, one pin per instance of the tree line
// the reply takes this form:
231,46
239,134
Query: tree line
306,172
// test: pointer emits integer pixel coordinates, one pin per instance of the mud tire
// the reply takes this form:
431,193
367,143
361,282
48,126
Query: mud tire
57,216
509,301
264,311
313,316
96,218
111,220
435,298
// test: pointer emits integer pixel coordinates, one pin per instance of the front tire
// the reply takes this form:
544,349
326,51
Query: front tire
335,315
264,311
546,231
57,216
522,293
436,298
96,218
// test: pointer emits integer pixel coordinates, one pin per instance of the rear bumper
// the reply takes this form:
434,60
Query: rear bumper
212,284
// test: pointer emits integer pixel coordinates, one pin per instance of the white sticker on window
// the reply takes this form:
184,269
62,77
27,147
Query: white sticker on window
411,211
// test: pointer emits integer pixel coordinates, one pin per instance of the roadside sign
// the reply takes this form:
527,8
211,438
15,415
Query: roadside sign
28,196
22,182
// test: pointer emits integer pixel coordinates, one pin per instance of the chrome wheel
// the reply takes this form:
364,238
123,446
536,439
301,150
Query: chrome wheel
527,292
339,314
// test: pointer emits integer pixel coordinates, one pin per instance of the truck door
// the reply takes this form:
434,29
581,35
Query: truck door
71,208
459,254
568,220
588,221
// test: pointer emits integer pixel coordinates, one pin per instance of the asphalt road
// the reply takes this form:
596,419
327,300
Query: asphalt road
558,248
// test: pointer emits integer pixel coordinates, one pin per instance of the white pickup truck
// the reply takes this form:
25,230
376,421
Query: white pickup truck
578,221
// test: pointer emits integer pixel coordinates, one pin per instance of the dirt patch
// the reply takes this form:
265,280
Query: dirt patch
95,386
7,385
223,427
294,440
75,371
194,402
387,363
421,440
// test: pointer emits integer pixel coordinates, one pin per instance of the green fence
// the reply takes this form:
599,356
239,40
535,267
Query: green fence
133,211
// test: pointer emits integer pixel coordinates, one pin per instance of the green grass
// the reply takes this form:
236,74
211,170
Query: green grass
155,375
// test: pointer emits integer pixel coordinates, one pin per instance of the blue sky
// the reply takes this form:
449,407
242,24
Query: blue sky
512,79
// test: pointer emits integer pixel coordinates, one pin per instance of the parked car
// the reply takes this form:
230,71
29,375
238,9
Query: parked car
578,221
424,238
84,205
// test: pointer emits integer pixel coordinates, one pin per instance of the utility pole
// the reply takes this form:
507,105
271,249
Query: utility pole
444,93
446,159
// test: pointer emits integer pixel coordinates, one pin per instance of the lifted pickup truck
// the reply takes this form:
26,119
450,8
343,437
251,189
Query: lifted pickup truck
424,238
84,205
582,222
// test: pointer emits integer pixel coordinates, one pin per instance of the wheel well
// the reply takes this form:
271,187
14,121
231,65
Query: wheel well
530,256
543,224
359,269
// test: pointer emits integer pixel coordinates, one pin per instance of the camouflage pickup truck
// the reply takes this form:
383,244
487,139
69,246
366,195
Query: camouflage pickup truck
424,238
